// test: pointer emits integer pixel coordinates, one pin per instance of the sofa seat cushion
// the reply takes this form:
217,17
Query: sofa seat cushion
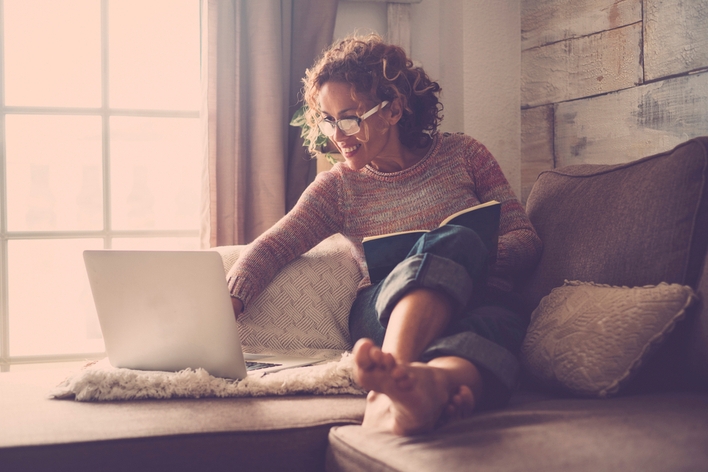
655,432
273,433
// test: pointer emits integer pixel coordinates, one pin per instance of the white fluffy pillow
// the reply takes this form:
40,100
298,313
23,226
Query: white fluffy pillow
306,306
590,338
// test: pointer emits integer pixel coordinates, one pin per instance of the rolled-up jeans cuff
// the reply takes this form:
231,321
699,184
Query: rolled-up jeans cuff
426,271
483,353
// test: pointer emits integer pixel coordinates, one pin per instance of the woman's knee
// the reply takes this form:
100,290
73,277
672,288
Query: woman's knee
457,243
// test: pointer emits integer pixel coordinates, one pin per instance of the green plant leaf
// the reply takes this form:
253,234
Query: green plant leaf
331,158
298,118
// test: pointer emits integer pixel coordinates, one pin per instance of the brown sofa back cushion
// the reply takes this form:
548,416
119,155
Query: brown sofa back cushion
633,224
697,345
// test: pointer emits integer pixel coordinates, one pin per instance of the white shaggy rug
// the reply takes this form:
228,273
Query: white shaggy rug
102,382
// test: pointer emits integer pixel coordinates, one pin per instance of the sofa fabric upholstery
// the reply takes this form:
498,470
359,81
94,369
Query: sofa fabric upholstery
256,434
656,432
696,343
628,225
633,224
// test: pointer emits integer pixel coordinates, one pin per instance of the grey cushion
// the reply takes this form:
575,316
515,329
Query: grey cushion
647,433
633,224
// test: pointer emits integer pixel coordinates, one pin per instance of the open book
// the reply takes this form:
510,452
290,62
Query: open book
386,251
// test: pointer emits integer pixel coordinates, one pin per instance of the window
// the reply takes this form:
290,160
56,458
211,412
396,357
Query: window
100,148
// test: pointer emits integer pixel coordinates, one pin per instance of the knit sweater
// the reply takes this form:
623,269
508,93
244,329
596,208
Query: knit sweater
456,173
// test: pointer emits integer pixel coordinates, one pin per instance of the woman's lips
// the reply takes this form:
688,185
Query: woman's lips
349,151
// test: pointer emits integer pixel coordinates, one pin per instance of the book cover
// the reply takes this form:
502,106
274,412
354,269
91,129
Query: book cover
386,251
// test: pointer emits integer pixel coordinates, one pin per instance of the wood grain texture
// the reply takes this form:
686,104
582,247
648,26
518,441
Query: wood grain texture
536,145
630,124
675,37
582,67
549,21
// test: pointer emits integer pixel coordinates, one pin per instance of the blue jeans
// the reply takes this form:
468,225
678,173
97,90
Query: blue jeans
484,329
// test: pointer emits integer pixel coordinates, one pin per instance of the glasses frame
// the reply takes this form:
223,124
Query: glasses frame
358,119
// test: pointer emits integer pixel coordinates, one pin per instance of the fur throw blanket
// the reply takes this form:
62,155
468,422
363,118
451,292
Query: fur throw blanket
102,382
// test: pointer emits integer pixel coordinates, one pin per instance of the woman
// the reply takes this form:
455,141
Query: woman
438,336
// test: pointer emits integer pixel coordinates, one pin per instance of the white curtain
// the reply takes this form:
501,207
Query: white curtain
254,55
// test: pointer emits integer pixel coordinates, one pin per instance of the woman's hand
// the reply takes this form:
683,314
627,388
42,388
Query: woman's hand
238,306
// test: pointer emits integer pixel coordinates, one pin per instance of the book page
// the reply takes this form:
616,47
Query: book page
371,238
481,205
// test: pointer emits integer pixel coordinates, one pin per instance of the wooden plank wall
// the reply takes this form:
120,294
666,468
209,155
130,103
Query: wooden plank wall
610,81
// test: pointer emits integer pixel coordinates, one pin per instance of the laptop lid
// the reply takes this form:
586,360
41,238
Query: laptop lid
165,310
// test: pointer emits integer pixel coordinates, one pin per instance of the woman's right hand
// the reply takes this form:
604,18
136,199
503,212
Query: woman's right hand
238,306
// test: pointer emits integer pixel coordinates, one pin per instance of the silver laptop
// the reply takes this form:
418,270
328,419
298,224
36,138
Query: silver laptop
171,310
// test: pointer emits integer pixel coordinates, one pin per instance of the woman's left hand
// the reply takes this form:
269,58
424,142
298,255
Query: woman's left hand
238,306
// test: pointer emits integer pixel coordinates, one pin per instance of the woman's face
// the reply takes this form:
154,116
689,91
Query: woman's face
362,148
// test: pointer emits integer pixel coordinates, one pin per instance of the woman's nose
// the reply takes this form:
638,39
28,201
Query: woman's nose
338,133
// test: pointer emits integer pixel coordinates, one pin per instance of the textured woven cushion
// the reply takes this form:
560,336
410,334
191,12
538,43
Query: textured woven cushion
590,338
306,306
633,224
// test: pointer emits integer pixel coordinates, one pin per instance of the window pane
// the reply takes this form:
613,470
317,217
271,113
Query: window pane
51,308
52,53
157,244
155,164
154,54
54,173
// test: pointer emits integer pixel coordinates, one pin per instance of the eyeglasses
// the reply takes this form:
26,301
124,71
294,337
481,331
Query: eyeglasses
349,126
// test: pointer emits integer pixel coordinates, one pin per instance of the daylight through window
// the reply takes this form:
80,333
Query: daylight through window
99,126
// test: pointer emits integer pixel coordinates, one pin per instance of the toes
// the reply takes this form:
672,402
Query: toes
402,374
369,357
456,401
372,367
386,361
363,353
376,355
363,345
466,396
461,404
465,401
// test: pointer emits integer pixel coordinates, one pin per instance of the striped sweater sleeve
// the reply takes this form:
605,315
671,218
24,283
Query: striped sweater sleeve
519,245
316,216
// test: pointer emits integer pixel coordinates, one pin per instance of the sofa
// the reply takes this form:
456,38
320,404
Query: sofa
614,366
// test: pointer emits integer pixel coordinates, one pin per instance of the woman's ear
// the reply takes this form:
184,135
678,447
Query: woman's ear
395,111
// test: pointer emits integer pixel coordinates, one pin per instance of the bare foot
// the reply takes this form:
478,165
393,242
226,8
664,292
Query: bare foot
461,404
405,398
372,365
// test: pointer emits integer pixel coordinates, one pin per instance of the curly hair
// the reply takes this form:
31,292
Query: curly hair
378,71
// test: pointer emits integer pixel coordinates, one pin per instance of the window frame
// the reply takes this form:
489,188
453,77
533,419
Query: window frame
107,233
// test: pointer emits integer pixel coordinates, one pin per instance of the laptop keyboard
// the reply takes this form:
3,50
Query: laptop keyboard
259,365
